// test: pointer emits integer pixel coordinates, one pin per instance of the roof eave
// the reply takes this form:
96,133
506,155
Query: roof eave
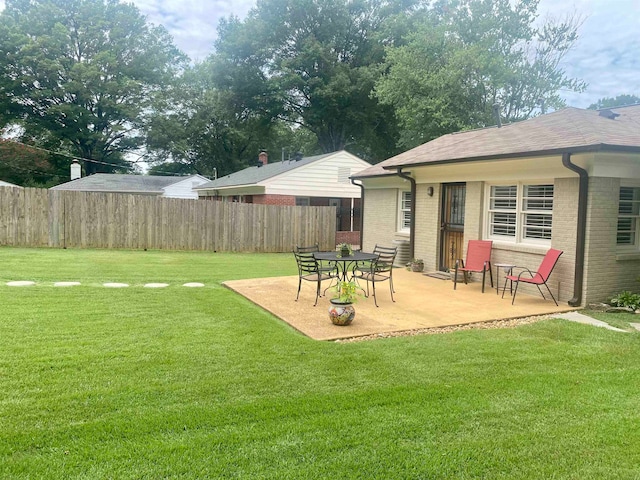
600,147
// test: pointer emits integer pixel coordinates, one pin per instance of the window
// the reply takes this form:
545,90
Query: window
302,201
405,211
521,213
628,214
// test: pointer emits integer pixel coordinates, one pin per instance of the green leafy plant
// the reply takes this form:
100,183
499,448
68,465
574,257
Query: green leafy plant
347,292
416,265
626,299
344,250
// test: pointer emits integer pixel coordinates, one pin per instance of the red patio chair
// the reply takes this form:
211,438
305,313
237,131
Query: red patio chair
537,278
478,260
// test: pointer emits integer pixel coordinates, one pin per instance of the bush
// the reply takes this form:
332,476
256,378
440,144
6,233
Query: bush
626,299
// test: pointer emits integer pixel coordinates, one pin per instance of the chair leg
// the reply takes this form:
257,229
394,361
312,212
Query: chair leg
375,299
391,289
491,275
317,293
514,292
484,274
299,285
505,286
554,298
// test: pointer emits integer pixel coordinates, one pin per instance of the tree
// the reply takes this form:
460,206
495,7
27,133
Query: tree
83,72
31,167
619,101
199,128
469,55
313,63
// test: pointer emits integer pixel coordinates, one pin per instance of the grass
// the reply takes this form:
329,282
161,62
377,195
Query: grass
200,383
621,320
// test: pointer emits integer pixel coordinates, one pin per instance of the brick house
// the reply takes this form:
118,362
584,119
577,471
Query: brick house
321,180
568,180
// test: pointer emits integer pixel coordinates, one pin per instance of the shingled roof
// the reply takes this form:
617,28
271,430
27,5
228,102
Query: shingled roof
568,130
257,174
109,182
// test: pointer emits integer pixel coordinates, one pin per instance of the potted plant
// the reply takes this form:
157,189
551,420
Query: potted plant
341,311
345,250
417,265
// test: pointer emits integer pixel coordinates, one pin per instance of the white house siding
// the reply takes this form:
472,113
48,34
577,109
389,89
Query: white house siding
327,177
7,184
184,188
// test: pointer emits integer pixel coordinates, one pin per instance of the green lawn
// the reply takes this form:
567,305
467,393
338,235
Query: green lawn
200,383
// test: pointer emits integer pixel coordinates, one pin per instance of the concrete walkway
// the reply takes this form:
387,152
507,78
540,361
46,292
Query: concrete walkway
581,318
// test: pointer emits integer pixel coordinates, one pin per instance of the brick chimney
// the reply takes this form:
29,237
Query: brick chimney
263,157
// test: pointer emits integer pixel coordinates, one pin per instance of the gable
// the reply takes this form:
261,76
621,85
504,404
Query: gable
327,177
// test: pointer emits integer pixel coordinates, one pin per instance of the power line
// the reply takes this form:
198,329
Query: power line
73,157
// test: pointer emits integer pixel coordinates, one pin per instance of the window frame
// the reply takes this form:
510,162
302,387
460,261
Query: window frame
635,246
521,212
404,211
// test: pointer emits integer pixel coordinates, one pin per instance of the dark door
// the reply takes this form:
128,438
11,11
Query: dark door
452,224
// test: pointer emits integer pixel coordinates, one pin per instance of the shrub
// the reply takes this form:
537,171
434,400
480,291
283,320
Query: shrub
626,299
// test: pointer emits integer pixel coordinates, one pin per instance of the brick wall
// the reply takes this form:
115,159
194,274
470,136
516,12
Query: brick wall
284,200
380,218
352,238
607,270
427,238
565,209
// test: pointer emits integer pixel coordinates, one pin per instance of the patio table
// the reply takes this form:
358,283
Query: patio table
345,264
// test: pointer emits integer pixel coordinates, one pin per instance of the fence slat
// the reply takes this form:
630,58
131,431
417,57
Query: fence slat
40,218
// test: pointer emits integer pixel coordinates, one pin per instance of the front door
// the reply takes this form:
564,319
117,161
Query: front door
452,225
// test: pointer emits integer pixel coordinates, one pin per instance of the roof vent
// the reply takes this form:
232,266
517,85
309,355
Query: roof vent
606,113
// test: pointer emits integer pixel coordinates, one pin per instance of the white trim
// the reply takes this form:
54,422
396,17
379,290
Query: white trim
519,211
634,215
401,213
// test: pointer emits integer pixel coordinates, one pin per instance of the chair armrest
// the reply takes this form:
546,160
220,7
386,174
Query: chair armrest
523,271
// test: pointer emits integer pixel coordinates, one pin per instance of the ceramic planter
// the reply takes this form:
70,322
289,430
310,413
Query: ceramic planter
341,313
417,267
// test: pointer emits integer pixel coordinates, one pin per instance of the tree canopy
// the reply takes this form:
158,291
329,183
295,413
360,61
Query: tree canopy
619,101
467,56
313,63
92,79
84,72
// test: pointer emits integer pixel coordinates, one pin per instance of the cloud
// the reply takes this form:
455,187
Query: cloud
605,54
192,23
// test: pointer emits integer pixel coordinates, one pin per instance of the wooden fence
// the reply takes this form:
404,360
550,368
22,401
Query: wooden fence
37,217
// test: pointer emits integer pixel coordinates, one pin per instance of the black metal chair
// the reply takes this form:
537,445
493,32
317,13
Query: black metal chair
309,269
328,268
378,270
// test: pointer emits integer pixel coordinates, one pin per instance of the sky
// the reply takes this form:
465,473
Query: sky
606,56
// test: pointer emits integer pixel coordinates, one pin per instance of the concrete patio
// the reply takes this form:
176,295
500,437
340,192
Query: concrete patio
421,302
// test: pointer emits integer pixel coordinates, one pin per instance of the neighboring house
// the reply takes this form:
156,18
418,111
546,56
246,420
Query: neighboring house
7,184
568,180
165,186
321,180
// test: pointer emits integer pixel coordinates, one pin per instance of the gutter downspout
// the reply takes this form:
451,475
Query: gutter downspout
581,227
361,209
412,220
